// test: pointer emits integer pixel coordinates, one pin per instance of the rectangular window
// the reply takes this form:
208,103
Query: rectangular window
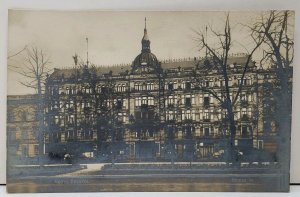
206,83
72,119
206,101
119,104
56,119
136,86
170,115
25,150
170,86
24,135
243,97
36,149
197,132
206,115
123,87
249,112
188,85
193,115
138,101
188,102
144,101
150,101
260,144
104,90
206,131
175,85
71,103
244,131
244,112
186,115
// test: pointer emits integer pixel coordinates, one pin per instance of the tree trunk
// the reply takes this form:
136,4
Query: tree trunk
231,148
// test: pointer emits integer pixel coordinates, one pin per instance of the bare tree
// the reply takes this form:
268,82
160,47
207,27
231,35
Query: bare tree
217,57
278,51
17,53
34,69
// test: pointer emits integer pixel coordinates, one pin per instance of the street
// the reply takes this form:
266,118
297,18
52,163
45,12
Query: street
93,178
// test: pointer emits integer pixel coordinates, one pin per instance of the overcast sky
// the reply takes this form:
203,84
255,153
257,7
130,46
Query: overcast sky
114,37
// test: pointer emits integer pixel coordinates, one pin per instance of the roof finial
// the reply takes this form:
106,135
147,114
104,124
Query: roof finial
145,40
87,51
75,58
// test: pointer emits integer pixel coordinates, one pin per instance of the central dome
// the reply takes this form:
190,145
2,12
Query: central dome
146,60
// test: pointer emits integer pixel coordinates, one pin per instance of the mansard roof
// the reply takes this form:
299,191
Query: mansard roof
184,63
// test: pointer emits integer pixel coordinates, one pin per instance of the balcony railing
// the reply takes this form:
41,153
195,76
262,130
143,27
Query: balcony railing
171,105
245,117
244,103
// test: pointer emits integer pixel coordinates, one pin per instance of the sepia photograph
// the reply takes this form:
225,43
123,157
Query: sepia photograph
149,101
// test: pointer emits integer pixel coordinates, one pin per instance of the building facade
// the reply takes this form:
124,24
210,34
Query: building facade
22,128
153,110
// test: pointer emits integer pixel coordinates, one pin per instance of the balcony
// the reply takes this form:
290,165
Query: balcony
206,120
188,136
206,104
70,109
188,104
187,120
171,121
244,103
144,106
245,117
87,109
171,106
70,124
170,87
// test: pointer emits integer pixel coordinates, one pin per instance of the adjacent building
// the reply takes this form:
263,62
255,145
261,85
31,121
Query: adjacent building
22,128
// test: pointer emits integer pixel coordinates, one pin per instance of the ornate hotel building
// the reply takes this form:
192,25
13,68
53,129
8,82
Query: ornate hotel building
154,110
